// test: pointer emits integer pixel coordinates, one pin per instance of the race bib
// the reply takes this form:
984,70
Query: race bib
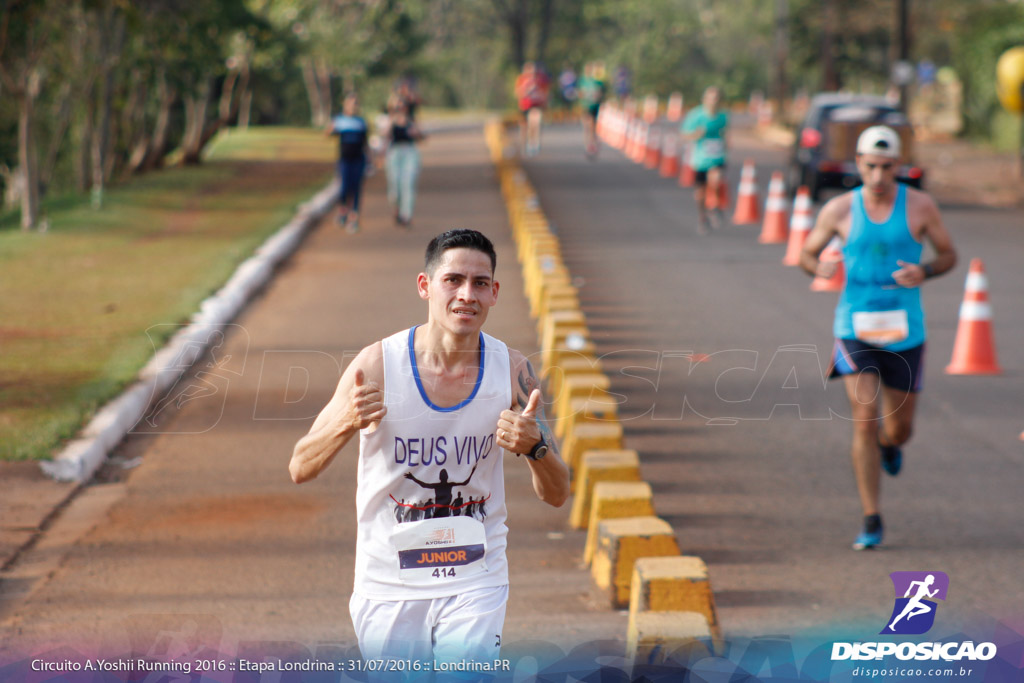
434,550
713,147
880,328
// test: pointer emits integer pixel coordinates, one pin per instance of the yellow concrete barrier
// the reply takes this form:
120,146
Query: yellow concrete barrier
673,584
660,637
533,236
542,257
578,364
597,410
537,290
560,298
588,437
620,542
559,324
587,385
559,319
556,278
564,335
568,411
597,466
615,500
535,240
580,345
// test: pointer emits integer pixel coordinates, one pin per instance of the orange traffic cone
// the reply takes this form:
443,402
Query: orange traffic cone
611,126
800,225
669,156
618,132
674,109
640,144
747,211
651,108
774,229
628,148
687,175
833,253
974,352
652,157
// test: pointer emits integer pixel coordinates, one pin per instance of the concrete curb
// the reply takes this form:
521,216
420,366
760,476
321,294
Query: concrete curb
80,458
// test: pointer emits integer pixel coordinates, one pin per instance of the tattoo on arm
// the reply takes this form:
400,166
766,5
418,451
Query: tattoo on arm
527,383
524,391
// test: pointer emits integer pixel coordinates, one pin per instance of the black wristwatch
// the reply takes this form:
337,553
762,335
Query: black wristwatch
539,450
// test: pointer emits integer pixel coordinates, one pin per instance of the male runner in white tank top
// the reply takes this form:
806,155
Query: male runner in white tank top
435,408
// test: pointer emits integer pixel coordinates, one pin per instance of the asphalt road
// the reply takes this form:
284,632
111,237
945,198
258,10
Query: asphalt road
748,451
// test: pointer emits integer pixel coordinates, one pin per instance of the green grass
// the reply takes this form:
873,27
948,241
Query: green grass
77,300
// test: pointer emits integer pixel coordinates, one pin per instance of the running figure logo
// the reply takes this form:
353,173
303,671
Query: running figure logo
442,504
914,613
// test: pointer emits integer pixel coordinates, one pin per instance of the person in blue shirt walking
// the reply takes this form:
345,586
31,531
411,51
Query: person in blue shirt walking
352,132
879,322
705,127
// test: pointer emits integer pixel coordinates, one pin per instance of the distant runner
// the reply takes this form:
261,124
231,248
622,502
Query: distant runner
532,88
592,91
705,128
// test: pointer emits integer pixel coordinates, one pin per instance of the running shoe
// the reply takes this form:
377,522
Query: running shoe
892,459
353,227
868,540
342,218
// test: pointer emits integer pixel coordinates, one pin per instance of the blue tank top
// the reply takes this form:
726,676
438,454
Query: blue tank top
871,305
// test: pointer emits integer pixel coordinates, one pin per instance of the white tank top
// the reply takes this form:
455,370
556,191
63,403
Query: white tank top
430,501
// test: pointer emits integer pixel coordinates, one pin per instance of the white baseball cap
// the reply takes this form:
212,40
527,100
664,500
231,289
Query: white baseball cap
880,140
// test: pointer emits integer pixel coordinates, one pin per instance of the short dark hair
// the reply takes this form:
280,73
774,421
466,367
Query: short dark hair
458,239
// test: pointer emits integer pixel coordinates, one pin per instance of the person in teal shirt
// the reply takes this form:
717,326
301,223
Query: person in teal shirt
592,90
879,324
705,127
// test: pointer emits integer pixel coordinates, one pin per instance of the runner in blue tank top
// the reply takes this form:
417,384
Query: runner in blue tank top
879,323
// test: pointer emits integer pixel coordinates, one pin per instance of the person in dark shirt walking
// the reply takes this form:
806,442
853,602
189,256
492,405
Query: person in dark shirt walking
403,161
352,131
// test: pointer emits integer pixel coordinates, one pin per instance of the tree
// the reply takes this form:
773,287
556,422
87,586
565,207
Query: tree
23,38
354,41
982,34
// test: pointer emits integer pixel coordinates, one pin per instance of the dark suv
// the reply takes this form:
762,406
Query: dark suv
826,142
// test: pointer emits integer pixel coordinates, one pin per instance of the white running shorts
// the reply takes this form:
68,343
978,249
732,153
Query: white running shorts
464,627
